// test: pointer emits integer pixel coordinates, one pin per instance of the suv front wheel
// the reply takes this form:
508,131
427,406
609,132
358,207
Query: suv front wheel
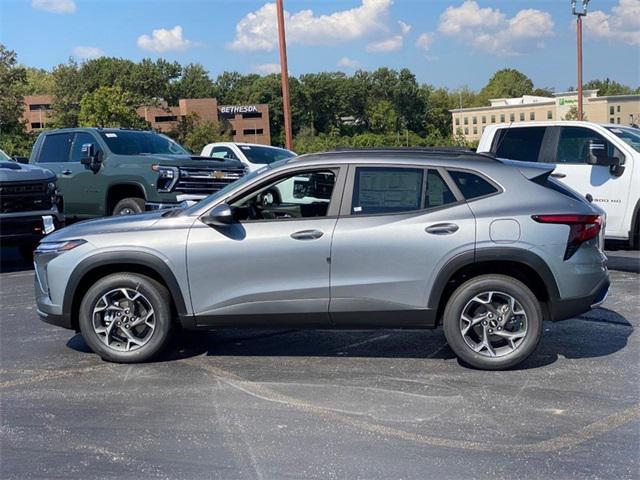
126,317
493,322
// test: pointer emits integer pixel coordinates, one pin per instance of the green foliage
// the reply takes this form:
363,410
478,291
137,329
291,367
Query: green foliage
193,134
110,107
610,87
39,82
382,117
194,83
13,79
507,82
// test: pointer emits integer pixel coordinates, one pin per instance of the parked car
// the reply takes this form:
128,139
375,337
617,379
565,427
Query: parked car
28,204
395,239
252,155
108,171
599,161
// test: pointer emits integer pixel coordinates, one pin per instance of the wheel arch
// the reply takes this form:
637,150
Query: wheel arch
120,190
523,265
97,266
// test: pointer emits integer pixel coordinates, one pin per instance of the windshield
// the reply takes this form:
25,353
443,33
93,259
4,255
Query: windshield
127,142
4,156
223,192
265,155
628,135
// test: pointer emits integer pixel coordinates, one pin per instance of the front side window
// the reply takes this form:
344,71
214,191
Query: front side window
385,190
76,149
299,195
126,142
520,143
223,152
573,145
56,148
472,185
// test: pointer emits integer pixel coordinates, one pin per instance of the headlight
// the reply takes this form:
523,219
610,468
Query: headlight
167,177
46,252
53,192
59,247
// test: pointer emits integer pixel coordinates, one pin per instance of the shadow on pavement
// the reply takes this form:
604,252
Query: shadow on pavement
602,333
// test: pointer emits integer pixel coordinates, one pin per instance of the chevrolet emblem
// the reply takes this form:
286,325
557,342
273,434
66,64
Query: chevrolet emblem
218,175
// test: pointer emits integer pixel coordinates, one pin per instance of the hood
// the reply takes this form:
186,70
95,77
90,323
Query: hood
19,172
194,161
124,223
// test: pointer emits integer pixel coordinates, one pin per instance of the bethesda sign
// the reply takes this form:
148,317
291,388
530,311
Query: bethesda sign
233,109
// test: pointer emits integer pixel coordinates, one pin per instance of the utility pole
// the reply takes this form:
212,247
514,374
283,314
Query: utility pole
284,76
579,14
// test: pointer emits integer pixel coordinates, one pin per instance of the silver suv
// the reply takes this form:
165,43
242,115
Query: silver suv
348,239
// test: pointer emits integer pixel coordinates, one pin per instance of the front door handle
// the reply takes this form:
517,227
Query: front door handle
307,235
67,172
558,175
442,229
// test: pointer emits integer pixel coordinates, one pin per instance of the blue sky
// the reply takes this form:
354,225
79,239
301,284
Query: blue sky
448,44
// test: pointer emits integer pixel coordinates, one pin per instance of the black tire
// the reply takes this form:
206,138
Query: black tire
486,283
634,242
156,295
129,206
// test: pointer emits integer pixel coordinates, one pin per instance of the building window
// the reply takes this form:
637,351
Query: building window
252,131
493,119
457,120
166,118
532,115
484,119
475,120
466,121
512,117
522,116
612,120
549,115
618,108
611,110
502,118
618,120
466,130
233,132
36,125
475,130
39,106
252,115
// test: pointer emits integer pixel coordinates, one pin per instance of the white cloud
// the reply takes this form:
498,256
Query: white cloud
86,52
404,27
258,30
390,44
346,62
163,40
425,40
55,6
622,25
267,68
490,30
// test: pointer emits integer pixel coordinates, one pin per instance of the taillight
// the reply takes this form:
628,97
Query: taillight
581,228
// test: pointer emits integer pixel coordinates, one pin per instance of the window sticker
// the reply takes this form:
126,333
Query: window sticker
111,135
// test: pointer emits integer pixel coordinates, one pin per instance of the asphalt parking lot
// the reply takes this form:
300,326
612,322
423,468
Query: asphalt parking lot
270,404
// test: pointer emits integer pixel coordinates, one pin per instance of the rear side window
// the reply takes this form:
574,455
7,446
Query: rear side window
520,143
438,192
472,185
379,190
55,148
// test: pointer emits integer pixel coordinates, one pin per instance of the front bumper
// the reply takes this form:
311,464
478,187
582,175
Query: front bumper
16,228
563,309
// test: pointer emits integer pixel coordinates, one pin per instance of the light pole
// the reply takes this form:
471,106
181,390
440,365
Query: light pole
579,14
284,76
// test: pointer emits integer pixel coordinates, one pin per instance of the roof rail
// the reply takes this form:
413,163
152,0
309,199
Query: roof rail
460,151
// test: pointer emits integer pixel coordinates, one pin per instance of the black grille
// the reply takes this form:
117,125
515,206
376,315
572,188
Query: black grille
199,180
24,197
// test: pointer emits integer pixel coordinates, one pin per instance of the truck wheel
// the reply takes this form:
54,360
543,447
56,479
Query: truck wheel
126,317
129,206
635,236
493,322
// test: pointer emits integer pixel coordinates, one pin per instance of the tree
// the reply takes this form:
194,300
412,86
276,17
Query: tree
610,87
572,114
382,117
507,83
194,83
39,82
110,107
68,88
13,79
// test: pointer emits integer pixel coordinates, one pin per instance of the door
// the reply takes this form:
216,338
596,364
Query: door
271,265
91,185
398,227
60,152
609,192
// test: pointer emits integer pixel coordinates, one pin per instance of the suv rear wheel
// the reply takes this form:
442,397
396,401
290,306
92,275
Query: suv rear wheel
129,206
126,317
493,322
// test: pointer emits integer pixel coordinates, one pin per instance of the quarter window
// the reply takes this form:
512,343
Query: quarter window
380,190
471,185
56,148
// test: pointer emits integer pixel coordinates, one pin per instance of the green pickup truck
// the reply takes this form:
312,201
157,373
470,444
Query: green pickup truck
109,171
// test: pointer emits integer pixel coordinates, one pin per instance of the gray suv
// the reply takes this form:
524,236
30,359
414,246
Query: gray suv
349,239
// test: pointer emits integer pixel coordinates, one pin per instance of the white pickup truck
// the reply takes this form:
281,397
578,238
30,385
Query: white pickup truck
601,161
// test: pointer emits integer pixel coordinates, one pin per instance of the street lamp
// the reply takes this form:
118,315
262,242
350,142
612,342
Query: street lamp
579,14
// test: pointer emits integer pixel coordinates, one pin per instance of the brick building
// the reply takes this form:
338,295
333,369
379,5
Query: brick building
249,123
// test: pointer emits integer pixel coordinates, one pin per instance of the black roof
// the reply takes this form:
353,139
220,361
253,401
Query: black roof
424,152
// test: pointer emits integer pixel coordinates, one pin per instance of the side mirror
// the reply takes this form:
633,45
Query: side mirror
220,216
90,157
20,159
597,155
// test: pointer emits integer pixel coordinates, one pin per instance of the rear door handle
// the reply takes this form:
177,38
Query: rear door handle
558,175
67,172
442,229
307,235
